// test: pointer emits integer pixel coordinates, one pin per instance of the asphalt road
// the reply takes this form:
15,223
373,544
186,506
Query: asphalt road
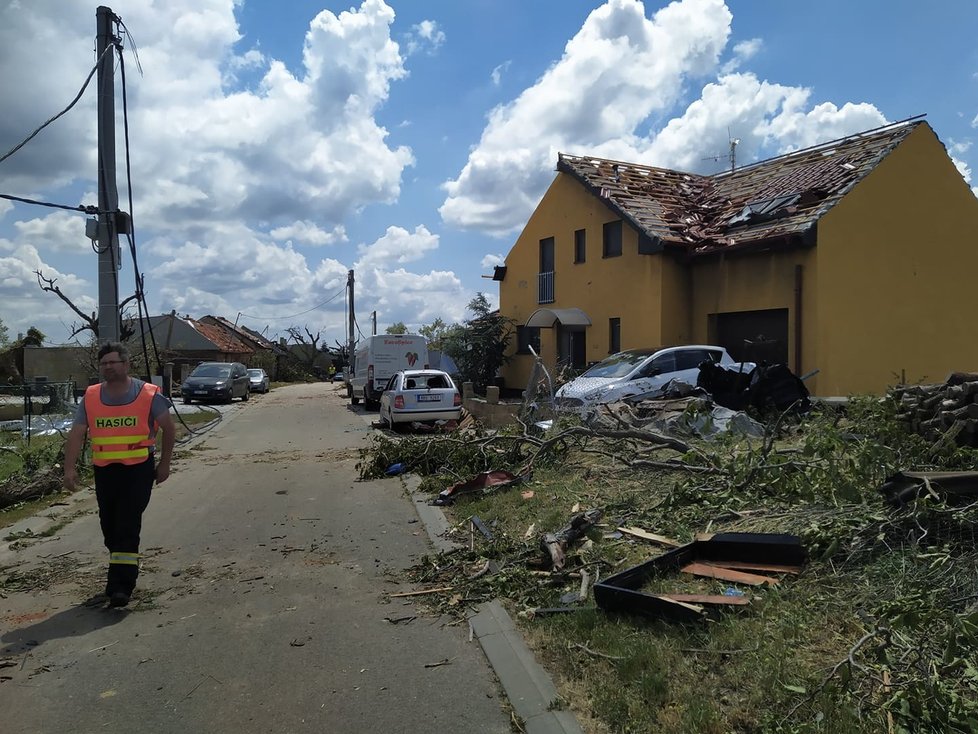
263,605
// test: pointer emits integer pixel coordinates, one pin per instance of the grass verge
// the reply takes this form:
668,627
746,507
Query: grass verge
879,634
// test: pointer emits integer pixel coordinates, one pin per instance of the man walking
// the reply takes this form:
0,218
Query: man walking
121,416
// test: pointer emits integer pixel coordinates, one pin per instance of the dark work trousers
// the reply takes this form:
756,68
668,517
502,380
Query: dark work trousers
123,492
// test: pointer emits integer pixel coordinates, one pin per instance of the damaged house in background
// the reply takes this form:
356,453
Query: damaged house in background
851,258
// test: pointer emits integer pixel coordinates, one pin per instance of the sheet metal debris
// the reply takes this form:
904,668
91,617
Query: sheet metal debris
693,415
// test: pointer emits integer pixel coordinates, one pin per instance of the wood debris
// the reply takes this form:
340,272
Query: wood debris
708,570
946,413
644,535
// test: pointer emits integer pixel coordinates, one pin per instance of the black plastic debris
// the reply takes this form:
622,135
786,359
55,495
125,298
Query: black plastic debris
766,387
749,552
946,486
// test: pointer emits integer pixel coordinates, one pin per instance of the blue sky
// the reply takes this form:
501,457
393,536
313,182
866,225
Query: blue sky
277,145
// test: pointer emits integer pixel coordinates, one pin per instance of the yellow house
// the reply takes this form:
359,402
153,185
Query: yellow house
854,258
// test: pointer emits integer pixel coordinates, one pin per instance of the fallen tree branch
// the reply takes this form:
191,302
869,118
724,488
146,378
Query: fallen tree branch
594,653
422,591
556,544
849,660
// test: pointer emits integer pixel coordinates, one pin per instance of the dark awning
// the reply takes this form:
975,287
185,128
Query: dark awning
546,317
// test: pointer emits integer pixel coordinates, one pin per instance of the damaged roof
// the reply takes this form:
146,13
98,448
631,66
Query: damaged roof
225,341
779,199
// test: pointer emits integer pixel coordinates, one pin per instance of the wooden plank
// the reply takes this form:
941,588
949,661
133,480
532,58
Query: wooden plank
736,601
644,535
727,574
748,566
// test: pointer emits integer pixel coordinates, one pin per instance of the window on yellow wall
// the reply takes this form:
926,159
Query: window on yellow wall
580,246
614,336
611,241
526,337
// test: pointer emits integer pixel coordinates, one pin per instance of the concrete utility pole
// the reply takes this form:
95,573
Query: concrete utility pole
373,319
109,254
351,322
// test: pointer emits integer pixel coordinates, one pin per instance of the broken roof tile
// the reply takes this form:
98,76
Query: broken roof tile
777,198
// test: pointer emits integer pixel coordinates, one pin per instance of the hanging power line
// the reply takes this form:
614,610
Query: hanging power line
83,208
81,91
278,318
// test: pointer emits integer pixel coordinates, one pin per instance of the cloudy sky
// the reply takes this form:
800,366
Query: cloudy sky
276,145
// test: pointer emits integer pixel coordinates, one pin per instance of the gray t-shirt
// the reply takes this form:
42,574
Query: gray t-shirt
160,404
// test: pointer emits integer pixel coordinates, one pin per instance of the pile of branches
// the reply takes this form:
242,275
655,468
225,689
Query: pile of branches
20,488
39,476
457,456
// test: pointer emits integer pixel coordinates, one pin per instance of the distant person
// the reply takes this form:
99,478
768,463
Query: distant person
121,415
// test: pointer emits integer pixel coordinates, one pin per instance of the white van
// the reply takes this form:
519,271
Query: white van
377,358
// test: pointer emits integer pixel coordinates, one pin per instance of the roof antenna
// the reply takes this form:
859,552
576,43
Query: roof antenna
731,156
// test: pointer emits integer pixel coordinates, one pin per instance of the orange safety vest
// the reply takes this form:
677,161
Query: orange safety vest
121,434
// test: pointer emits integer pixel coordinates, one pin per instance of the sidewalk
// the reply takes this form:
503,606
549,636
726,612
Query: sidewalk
528,686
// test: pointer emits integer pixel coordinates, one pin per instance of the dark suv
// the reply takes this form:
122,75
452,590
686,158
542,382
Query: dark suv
222,381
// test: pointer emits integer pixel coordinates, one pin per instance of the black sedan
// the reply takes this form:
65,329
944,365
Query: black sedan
222,381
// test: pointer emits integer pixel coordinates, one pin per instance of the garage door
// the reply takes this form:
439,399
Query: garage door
753,336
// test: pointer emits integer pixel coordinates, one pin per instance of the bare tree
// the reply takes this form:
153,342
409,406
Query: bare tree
89,322
308,342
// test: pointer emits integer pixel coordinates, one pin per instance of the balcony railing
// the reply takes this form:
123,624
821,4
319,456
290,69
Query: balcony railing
545,287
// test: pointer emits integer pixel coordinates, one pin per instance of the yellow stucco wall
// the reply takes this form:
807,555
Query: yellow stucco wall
886,291
759,281
897,263
626,287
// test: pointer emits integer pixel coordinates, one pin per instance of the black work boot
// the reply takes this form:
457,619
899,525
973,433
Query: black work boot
118,599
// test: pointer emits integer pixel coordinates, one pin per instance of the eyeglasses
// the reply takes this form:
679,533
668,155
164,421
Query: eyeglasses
107,362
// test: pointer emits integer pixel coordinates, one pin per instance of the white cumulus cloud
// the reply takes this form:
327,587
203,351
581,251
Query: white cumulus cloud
618,69
620,74
425,36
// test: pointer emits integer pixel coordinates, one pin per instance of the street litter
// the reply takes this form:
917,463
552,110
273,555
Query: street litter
486,481
745,558
481,527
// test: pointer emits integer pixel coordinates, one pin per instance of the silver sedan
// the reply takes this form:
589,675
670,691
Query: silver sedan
258,380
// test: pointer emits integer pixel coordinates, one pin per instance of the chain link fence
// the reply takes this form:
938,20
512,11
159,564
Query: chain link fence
38,408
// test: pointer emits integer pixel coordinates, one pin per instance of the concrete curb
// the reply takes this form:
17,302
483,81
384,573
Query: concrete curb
528,686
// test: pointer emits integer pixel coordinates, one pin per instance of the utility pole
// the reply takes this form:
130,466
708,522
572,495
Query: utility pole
351,325
109,254
373,318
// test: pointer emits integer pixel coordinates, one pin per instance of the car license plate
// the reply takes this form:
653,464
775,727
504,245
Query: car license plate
429,398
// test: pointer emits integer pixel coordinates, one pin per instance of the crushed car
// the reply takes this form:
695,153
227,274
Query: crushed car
637,372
